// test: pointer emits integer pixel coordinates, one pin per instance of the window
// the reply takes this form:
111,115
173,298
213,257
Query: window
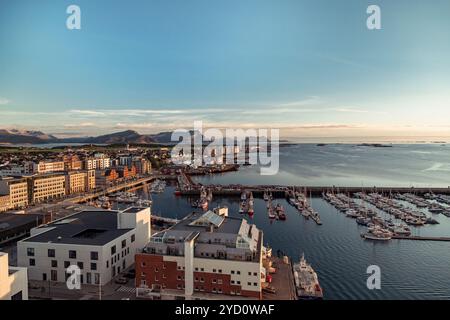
238,282
156,269
88,278
80,265
232,281
124,243
249,283
255,284
107,264
128,250
113,250
202,269
249,273
196,269
72,254
214,270
94,255
54,264
66,264
143,265
178,277
97,278
255,274
232,271
214,281
238,272
54,275
219,281
93,266
51,253
133,238
32,262
30,252
202,280
220,270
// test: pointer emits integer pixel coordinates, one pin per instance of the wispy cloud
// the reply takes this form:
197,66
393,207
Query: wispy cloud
4,101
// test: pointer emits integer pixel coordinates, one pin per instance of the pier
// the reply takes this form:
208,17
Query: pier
421,238
280,191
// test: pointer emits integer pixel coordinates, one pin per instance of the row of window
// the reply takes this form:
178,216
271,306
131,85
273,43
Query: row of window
54,264
51,253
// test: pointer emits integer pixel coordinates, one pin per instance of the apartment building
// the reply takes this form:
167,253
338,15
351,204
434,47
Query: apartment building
17,189
205,255
101,243
143,166
12,171
46,187
4,202
125,172
44,167
76,182
13,281
98,162
90,180
72,162
104,178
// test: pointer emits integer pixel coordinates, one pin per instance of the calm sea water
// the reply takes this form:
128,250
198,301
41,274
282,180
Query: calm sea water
409,269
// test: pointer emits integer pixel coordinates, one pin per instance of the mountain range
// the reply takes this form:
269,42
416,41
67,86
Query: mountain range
15,136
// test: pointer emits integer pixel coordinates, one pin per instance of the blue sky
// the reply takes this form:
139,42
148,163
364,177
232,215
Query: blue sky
309,67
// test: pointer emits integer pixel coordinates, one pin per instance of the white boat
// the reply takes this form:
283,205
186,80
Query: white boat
306,281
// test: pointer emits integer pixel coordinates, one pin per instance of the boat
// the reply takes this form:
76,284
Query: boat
377,234
271,214
306,281
266,196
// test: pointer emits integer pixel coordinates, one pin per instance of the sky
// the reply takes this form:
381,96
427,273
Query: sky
308,67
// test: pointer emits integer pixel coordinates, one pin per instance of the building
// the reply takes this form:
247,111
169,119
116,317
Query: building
4,202
46,187
125,172
104,178
13,281
16,226
101,243
98,162
44,167
12,171
17,189
90,180
72,162
143,166
76,182
205,255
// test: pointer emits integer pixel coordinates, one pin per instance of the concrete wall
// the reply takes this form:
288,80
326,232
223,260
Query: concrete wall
12,280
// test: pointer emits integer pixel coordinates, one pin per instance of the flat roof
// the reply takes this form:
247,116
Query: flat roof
133,210
13,220
96,227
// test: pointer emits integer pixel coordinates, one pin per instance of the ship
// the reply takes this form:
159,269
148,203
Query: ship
306,281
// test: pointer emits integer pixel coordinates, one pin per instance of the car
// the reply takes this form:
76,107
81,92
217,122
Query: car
121,280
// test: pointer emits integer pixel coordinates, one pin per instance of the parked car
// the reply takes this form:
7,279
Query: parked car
121,280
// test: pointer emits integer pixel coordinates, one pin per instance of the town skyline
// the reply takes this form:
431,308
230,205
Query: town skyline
309,68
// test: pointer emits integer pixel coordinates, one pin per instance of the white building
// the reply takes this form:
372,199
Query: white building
101,243
98,162
13,281
201,257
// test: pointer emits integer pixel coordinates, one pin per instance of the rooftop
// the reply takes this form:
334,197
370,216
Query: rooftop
84,228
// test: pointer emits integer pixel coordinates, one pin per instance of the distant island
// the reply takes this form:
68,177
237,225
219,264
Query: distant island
375,145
